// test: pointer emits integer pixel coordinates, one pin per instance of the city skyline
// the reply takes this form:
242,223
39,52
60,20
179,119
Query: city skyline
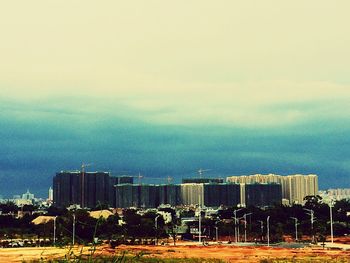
165,89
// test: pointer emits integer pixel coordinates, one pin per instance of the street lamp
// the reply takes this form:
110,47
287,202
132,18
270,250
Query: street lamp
296,227
156,221
238,227
156,226
73,241
331,217
312,219
262,229
54,231
268,230
235,216
217,230
245,226
199,220
216,233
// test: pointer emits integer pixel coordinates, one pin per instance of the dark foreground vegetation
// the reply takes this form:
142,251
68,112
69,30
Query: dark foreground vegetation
133,227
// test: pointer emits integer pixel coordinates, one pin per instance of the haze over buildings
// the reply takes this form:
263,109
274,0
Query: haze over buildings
165,88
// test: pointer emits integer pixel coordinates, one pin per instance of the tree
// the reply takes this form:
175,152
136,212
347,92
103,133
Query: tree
56,211
8,208
132,223
341,209
312,201
109,228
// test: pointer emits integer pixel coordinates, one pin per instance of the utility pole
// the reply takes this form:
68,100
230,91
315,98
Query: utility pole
235,217
268,230
73,241
245,226
296,227
331,218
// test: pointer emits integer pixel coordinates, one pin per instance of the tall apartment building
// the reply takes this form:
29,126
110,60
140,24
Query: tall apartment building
116,180
170,194
262,194
192,194
216,194
208,194
335,194
87,189
67,188
50,195
294,187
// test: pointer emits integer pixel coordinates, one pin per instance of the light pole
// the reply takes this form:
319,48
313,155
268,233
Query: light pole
156,221
331,217
54,231
262,229
217,233
268,230
156,226
245,226
217,230
199,220
238,225
311,213
235,216
73,241
296,227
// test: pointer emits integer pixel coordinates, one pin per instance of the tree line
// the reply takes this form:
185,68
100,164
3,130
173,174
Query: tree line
251,223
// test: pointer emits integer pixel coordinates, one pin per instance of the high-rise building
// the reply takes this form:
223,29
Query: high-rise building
67,188
116,180
87,189
335,194
135,195
50,195
216,195
28,196
263,194
95,189
125,196
192,194
170,194
294,187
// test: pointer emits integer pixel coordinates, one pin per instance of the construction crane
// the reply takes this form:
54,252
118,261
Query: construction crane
168,179
201,171
139,177
83,166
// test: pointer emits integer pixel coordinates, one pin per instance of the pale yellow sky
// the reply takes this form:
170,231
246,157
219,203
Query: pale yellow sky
220,60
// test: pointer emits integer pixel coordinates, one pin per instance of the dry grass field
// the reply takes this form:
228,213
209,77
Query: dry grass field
182,251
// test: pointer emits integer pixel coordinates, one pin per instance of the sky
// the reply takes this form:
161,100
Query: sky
167,87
